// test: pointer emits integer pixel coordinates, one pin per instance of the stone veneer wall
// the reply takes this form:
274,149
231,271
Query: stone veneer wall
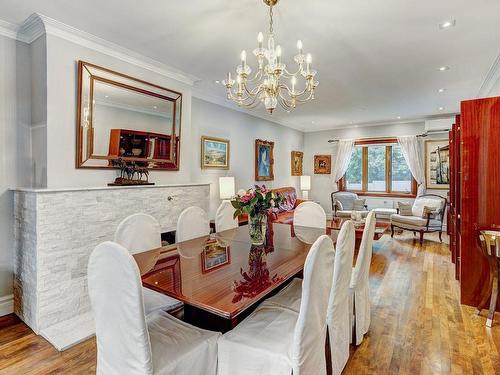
56,230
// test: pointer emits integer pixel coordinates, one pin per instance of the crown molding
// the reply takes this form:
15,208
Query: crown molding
8,29
37,25
214,99
492,77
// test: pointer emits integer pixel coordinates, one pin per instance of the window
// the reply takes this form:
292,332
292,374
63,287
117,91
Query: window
378,167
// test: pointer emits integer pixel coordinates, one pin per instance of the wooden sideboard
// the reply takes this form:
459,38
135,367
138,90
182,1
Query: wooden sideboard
474,192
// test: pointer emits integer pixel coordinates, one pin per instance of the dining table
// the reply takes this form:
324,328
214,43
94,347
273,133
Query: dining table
222,277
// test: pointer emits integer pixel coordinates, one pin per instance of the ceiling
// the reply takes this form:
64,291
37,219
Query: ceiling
376,60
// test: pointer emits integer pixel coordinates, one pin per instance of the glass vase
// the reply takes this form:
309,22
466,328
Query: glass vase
257,227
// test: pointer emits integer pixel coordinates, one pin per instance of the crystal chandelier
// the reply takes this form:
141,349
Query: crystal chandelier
267,84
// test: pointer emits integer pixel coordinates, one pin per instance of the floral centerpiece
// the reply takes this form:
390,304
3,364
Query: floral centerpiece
256,202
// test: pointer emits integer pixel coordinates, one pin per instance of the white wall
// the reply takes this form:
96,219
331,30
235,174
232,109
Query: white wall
316,143
15,153
62,57
242,130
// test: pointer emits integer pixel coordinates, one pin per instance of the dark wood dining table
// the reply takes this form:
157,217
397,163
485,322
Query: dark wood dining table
222,277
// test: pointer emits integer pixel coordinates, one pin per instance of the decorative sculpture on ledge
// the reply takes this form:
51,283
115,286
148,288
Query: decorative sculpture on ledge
130,173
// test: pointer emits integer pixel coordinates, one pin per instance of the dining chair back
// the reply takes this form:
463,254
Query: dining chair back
310,330
116,296
224,217
138,233
309,214
141,232
192,223
360,288
338,315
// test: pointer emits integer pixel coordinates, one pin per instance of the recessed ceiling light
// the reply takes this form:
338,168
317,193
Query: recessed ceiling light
447,24
312,122
441,90
443,68
399,117
106,96
155,107
441,108
217,82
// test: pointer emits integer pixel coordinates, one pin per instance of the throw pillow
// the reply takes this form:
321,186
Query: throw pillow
427,210
359,205
405,209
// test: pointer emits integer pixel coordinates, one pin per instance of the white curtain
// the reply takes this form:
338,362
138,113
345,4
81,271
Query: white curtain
344,152
412,149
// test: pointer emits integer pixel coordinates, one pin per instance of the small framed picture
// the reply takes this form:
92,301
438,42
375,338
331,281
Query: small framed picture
296,163
214,153
264,160
322,164
437,164
214,256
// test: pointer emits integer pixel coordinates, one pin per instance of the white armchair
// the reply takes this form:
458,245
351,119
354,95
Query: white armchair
343,203
427,215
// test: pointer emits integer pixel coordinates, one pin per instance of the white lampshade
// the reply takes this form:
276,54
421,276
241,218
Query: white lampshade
226,187
305,182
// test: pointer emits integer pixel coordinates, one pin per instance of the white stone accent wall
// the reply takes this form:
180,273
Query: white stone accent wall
56,230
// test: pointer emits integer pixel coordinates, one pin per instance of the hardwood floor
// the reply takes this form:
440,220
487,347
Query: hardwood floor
418,325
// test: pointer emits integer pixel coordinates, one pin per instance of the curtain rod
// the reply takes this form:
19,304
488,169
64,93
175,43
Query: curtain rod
437,131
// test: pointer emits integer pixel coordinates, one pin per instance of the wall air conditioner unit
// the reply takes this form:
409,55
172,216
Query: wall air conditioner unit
441,124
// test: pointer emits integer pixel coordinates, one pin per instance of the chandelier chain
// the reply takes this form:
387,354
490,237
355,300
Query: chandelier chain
271,29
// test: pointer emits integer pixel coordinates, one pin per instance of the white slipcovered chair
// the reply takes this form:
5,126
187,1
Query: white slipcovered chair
343,204
420,221
130,343
192,223
141,232
276,340
339,313
360,287
309,214
224,217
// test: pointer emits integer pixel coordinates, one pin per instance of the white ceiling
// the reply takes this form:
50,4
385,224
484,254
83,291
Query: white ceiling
376,60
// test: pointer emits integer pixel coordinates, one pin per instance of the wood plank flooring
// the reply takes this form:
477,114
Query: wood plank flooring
418,325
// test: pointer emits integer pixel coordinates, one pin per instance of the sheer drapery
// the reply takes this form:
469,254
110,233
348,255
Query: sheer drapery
344,152
412,149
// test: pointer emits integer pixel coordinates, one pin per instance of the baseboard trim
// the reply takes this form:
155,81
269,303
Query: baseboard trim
6,305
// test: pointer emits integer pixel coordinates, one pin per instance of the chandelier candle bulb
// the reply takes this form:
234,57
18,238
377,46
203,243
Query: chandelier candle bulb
260,39
299,46
278,55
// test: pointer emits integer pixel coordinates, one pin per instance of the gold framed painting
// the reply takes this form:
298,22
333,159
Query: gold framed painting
264,160
322,164
296,163
437,164
215,153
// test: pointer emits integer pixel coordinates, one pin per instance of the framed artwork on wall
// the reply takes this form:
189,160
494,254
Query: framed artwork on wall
296,163
264,160
214,153
437,163
322,164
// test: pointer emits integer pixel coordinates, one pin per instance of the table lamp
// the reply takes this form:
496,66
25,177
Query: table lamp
305,186
226,188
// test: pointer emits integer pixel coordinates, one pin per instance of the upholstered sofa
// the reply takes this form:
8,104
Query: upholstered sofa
418,221
343,204
284,213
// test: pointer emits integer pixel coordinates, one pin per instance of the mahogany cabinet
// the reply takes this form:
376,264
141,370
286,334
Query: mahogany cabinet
477,196
454,195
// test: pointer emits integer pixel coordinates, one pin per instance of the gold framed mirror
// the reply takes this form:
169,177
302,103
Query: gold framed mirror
122,117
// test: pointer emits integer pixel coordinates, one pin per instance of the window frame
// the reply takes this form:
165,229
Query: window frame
388,171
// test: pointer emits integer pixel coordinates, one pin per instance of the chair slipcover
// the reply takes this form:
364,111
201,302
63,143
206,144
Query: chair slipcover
309,214
192,223
138,233
360,288
127,341
224,217
338,315
339,312
275,340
